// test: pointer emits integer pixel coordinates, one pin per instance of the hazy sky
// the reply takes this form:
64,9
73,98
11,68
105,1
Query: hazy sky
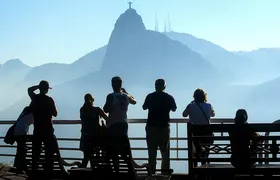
41,31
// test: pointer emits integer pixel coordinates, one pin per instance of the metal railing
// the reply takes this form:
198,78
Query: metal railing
175,138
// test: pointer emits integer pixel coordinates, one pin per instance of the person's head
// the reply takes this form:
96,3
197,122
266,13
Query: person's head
200,96
160,85
116,83
89,99
44,87
241,116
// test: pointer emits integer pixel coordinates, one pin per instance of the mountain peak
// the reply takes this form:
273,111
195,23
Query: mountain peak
129,22
14,63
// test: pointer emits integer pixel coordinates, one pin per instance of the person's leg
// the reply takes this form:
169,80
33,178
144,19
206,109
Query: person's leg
197,147
206,151
164,146
118,129
20,162
50,148
85,140
151,139
36,150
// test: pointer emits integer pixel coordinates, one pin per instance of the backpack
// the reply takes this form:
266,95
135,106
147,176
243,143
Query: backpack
9,137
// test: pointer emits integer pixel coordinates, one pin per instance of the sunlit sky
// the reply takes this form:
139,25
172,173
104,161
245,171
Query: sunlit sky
42,31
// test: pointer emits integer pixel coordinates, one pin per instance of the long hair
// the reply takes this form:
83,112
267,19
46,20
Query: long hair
200,96
241,116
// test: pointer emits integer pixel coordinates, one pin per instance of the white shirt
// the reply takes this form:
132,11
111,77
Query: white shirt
22,125
118,113
196,115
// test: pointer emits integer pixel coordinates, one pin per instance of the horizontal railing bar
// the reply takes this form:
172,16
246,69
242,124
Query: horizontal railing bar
80,159
77,149
139,121
131,138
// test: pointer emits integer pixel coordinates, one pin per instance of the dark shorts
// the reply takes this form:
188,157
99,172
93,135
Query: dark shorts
85,141
118,129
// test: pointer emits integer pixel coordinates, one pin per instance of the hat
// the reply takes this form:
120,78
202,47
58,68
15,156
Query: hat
43,85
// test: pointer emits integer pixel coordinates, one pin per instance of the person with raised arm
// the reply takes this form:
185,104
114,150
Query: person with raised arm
43,109
117,105
159,105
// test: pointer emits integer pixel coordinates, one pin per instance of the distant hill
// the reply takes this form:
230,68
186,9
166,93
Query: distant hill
230,64
12,74
59,73
13,71
133,50
139,56
266,59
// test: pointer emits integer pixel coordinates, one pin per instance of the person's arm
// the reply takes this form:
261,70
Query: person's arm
212,112
131,99
146,103
54,111
103,115
107,106
31,90
186,112
173,106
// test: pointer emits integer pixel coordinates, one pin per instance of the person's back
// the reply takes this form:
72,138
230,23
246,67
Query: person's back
119,106
196,115
160,105
89,119
116,105
24,120
90,126
43,109
240,140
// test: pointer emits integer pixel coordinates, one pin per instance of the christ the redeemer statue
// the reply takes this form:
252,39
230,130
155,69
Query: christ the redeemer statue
130,3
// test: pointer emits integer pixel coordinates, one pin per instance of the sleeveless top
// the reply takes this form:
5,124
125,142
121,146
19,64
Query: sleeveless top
118,111
90,119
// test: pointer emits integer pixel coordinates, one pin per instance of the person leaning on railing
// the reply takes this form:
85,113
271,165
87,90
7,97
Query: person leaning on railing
89,115
159,105
241,145
200,112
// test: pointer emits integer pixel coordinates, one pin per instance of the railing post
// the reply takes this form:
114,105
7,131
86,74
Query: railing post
222,133
177,141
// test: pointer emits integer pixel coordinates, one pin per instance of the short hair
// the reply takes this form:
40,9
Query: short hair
200,95
241,116
160,84
116,81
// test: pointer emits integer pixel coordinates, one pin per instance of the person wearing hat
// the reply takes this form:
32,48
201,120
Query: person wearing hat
43,109
89,115
159,105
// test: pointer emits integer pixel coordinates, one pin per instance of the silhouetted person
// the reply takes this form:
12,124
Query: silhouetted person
159,105
116,105
25,119
241,145
200,112
90,125
43,109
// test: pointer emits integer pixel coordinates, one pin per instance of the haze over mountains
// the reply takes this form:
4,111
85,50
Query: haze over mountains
140,56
